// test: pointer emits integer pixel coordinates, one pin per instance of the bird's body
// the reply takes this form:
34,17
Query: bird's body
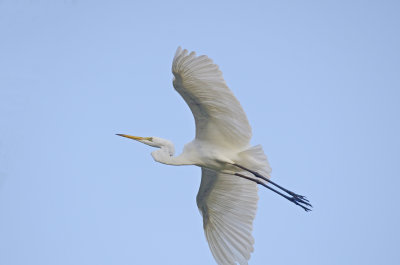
231,167
204,154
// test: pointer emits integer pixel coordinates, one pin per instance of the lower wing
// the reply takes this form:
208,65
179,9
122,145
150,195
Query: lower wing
228,205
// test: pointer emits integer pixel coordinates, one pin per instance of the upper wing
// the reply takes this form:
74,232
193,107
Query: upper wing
228,205
218,114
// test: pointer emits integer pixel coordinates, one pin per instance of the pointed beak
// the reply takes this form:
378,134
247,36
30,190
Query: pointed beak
137,138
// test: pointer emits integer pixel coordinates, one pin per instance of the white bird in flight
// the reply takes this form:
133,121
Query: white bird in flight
231,168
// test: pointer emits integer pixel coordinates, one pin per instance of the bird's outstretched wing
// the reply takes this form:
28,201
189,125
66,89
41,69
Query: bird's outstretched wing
218,115
228,205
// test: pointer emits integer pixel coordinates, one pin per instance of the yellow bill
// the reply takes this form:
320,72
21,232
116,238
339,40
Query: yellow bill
137,138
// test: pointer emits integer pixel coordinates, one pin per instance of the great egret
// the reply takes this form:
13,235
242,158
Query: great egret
231,168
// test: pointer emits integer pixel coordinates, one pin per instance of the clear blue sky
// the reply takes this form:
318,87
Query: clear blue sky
319,81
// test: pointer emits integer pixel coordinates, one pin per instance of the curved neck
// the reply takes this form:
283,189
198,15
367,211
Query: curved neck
165,155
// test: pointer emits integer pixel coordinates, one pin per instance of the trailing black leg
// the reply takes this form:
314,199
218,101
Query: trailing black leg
296,197
292,199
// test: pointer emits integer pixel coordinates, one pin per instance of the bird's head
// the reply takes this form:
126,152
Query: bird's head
152,141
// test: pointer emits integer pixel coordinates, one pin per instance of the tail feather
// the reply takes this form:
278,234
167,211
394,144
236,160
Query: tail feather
255,159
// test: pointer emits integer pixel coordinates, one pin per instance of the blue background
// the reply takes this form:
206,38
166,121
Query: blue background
319,81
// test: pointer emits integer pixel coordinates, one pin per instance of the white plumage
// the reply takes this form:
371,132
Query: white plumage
218,114
228,203
231,168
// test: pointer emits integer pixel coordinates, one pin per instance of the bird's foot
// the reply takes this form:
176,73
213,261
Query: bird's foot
301,199
300,203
